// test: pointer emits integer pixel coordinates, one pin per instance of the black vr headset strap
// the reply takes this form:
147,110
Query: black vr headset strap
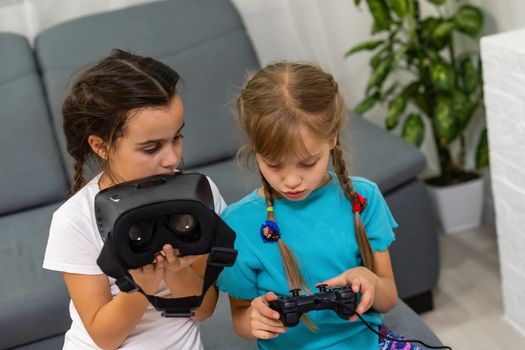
222,253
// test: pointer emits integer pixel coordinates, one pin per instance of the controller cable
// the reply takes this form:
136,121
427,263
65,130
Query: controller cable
387,337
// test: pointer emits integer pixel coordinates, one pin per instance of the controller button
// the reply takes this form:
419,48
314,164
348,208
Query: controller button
291,319
289,305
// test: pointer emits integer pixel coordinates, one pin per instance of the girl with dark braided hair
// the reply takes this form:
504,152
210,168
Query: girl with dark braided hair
305,225
123,113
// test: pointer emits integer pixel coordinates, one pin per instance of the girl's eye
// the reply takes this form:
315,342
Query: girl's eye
308,165
179,137
273,166
151,150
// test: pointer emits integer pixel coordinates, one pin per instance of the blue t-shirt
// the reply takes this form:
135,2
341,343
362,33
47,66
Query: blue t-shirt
320,232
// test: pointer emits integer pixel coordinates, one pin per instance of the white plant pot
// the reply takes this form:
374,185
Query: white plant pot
460,206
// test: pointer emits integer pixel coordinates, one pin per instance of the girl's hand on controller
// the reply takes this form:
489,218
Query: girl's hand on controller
362,280
264,321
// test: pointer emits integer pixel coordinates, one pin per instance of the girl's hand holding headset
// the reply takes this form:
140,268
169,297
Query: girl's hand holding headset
174,262
148,277
167,264
264,322
362,280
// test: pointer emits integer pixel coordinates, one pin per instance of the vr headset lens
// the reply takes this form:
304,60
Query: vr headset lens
182,225
140,235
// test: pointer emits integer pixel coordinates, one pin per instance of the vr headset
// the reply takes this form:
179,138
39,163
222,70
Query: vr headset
136,218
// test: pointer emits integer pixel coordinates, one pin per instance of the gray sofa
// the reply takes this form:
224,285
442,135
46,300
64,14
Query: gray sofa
206,42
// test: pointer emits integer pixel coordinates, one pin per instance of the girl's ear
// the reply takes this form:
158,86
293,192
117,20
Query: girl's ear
333,143
98,146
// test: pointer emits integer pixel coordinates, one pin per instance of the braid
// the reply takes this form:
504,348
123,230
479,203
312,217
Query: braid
78,180
346,183
293,274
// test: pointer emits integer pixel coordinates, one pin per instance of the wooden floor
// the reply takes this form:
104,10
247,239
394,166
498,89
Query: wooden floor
468,312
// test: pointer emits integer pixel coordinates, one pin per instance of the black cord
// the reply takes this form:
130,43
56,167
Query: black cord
387,337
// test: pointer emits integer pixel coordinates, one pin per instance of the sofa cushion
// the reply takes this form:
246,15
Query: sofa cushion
380,156
405,322
32,173
234,182
211,58
33,301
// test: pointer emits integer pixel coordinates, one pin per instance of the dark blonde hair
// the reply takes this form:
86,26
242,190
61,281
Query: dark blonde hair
103,97
275,102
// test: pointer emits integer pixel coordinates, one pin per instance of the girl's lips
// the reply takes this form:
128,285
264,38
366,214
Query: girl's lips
294,195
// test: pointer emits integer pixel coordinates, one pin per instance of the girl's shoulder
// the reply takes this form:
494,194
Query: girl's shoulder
362,184
80,205
244,206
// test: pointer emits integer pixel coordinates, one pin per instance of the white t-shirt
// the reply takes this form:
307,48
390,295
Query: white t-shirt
74,245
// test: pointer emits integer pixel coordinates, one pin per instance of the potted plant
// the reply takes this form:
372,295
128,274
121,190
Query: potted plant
443,86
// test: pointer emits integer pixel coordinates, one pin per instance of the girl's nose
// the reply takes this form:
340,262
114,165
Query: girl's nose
292,181
171,157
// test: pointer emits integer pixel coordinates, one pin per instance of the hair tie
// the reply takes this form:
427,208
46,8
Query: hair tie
270,231
359,203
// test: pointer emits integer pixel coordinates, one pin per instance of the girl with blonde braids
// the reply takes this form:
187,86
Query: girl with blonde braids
305,225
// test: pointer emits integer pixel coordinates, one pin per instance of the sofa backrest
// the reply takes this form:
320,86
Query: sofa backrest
203,40
32,172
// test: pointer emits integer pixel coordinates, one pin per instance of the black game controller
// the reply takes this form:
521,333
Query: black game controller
291,308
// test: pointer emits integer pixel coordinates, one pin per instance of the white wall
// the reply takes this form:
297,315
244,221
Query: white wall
29,17
503,58
313,30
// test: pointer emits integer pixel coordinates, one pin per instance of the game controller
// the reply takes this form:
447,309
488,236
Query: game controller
291,308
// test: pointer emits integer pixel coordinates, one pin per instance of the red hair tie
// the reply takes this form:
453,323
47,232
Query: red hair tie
359,203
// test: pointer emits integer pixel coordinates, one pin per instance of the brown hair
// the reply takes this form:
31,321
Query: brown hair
274,103
104,96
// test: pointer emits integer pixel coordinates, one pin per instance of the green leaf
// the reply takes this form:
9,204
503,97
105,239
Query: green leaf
437,2
411,90
421,102
413,129
444,123
395,108
427,28
469,75
378,57
367,45
357,2
469,20
442,76
380,73
401,52
399,7
381,15
462,109
366,104
441,34
482,152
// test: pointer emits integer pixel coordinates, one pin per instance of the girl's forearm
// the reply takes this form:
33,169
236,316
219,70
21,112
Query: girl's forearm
386,294
114,321
241,322
187,282
184,283
208,304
